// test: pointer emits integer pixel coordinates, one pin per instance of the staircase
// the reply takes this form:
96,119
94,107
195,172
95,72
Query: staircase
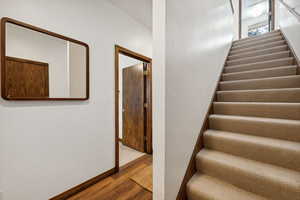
252,147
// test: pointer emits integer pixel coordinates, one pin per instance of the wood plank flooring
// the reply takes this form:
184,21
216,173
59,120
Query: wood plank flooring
119,186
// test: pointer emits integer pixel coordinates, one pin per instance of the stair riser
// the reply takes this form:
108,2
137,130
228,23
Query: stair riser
292,96
246,180
212,188
268,151
258,53
257,48
257,38
255,43
259,59
280,111
286,71
292,82
278,130
265,65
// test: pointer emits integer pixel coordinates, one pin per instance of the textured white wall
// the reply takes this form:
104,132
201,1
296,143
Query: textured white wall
290,26
49,147
198,37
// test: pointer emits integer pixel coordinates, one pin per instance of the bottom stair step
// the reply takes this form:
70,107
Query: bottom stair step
266,180
203,187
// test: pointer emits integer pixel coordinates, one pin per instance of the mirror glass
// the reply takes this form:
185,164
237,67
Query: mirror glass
39,65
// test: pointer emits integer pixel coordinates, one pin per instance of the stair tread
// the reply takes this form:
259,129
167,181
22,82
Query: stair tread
275,32
264,119
260,79
284,129
260,70
254,139
259,52
262,46
257,57
258,63
255,42
254,171
257,103
260,38
205,187
261,90
273,151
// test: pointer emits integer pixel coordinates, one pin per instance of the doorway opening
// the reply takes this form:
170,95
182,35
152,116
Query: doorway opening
256,17
133,106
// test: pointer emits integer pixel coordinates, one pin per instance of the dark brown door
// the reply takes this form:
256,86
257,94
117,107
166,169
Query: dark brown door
148,107
26,78
133,107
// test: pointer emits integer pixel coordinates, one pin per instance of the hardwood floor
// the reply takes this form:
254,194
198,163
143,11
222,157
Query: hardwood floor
119,186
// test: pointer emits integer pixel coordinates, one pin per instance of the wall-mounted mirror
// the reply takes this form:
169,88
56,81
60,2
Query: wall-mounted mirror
40,65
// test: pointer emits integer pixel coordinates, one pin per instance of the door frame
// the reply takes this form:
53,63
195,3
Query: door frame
121,50
272,4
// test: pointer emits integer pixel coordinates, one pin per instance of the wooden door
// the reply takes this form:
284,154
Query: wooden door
148,107
133,107
26,78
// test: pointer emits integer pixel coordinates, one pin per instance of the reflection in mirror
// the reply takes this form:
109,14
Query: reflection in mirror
38,65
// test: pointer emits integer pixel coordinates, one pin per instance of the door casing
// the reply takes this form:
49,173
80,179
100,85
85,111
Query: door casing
121,50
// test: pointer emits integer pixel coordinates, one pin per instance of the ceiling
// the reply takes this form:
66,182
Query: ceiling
140,10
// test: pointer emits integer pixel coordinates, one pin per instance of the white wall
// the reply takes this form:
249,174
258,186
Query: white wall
197,36
158,98
236,18
124,61
32,45
49,147
290,26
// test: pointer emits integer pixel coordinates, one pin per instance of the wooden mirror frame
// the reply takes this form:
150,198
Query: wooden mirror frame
6,20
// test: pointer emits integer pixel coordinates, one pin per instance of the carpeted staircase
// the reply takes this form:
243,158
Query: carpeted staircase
252,146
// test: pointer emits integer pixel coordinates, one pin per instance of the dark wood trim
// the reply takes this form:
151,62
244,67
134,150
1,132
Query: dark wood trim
132,54
148,113
191,169
69,193
34,28
26,61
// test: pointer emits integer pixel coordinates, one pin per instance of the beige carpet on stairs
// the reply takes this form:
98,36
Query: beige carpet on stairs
252,146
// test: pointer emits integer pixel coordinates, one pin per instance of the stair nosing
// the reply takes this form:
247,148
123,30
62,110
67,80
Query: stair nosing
246,137
258,90
275,120
260,56
257,164
263,69
247,49
268,49
259,36
240,42
229,187
280,38
258,63
253,103
260,79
